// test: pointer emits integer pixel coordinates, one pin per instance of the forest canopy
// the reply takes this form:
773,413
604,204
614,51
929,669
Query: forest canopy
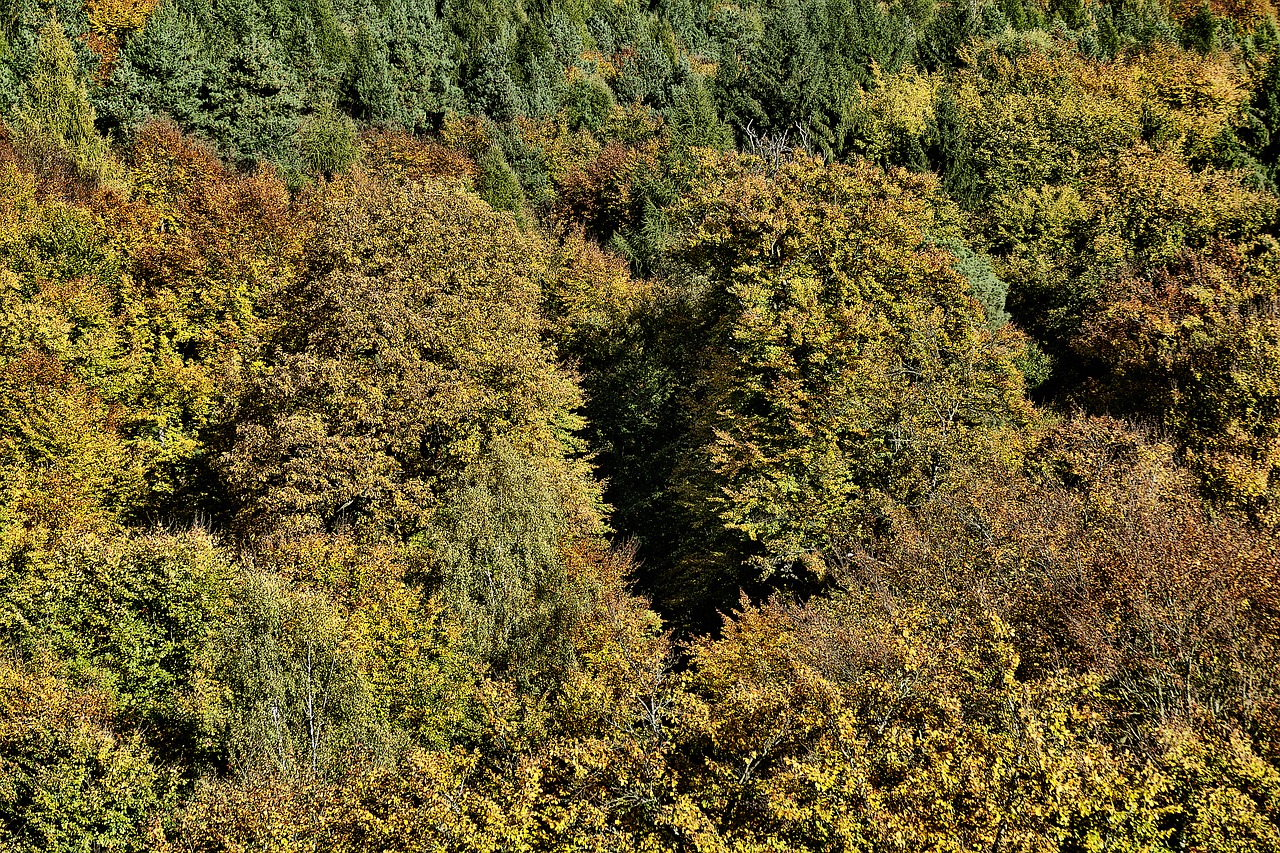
592,425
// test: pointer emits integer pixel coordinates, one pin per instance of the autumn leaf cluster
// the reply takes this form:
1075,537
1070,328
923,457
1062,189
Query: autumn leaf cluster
778,426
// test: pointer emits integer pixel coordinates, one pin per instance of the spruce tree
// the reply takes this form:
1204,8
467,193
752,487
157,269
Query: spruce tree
55,111
161,71
1200,31
370,94
693,120
1266,107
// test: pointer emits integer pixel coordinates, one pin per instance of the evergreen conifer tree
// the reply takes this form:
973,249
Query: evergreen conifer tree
403,70
1200,30
693,119
1266,106
161,71
55,111
370,94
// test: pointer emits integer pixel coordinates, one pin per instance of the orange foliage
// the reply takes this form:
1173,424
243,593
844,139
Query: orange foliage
215,238
55,172
600,193
1103,560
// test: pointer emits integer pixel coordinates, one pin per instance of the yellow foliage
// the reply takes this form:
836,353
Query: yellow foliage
1197,97
112,22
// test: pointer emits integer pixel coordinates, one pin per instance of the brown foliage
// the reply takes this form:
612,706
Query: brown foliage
600,193
394,155
408,343
1103,560
56,173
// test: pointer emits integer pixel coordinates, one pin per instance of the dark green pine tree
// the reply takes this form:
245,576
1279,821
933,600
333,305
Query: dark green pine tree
403,71
368,91
54,114
164,70
693,120
1266,108
536,69
950,28
490,88
327,141
796,71
254,101
424,71
1200,31
223,70
649,70
314,39
1108,36
1070,12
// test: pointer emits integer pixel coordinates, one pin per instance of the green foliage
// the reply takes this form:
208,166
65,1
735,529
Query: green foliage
694,122
984,285
495,545
848,364
298,704
403,68
1199,30
67,781
1266,105
590,103
131,616
327,142
358,391
496,182
54,111
788,67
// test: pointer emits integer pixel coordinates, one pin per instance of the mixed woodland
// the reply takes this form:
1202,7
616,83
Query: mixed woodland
714,426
